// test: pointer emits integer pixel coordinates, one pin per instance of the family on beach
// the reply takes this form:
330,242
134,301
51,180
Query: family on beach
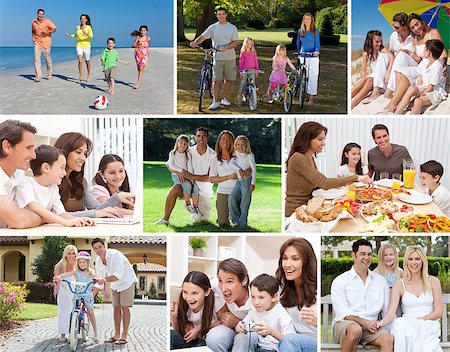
58,191
233,313
365,302
224,37
411,72
303,177
196,168
41,33
111,266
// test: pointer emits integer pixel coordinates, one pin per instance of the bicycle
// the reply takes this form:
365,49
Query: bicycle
283,92
79,319
299,80
205,82
249,91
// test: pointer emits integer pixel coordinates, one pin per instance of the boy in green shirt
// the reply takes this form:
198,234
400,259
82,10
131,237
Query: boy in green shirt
110,58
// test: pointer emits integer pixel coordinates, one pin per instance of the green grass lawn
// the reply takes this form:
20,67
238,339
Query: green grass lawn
35,311
332,90
264,214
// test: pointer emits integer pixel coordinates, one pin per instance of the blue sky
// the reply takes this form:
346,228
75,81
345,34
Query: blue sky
365,17
112,18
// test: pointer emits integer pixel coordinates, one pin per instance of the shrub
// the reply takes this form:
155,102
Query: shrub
256,24
326,27
12,301
39,292
152,291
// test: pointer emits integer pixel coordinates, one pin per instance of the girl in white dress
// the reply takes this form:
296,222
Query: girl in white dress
418,329
64,298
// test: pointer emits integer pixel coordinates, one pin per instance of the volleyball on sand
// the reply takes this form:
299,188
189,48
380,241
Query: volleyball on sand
101,102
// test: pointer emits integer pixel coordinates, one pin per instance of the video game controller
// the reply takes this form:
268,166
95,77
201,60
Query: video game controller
248,326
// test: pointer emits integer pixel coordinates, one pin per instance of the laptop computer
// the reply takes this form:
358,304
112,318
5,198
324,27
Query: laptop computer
126,219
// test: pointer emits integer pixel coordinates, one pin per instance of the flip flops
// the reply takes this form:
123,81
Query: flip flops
111,340
120,342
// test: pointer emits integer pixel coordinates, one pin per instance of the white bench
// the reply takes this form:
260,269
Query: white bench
328,345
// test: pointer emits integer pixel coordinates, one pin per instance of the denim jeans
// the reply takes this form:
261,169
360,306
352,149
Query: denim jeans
220,338
177,341
239,202
248,343
298,343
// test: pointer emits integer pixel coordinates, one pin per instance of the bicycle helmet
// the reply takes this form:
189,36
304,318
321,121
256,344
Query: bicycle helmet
83,255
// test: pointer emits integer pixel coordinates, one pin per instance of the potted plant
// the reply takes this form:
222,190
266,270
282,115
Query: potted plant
197,245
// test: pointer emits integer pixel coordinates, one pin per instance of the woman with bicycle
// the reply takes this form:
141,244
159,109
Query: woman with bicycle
308,46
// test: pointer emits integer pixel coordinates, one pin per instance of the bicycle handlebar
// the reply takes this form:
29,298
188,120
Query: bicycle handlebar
89,284
207,51
253,71
304,54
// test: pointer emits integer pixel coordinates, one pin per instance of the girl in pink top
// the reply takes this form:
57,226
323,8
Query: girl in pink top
278,75
248,60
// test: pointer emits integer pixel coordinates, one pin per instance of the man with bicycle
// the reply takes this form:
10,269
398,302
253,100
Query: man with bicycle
224,36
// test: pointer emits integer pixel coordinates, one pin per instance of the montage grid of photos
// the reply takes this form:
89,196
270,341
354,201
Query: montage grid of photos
130,221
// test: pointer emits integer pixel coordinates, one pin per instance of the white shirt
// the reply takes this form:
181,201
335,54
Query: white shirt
441,196
7,188
28,190
432,74
196,318
221,36
244,161
300,325
178,161
395,44
116,265
199,165
344,171
278,318
351,296
223,168
219,301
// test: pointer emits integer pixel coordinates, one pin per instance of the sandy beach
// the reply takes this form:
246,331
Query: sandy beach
64,95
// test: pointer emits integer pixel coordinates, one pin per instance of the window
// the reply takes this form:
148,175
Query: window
161,283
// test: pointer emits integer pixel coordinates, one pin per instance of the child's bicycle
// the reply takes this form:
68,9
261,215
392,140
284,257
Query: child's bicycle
249,92
283,92
205,82
79,319
299,80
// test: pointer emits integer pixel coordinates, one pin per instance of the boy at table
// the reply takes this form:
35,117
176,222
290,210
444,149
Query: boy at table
430,174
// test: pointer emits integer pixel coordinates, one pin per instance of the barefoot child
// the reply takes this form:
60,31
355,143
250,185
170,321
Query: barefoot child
388,264
193,314
381,61
40,193
351,163
241,195
278,75
177,163
110,58
141,52
248,60
430,176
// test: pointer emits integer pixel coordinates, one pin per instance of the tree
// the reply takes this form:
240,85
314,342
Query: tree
181,37
51,253
327,26
152,290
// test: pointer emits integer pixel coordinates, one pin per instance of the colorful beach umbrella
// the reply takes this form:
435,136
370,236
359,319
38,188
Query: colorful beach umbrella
436,13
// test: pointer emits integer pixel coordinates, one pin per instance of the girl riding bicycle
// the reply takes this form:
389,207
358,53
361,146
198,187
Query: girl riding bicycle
278,75
248,60
83,273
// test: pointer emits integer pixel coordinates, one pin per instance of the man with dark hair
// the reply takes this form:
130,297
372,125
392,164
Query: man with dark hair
358,297
200,156
16,152
224,36
385,157
41,33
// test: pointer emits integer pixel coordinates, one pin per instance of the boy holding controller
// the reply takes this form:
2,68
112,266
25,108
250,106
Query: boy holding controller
267,321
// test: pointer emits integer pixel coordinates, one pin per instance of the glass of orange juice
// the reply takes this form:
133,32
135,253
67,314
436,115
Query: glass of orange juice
409,173
396,181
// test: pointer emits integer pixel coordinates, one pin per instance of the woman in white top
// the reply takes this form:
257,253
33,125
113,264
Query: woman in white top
222,173
64,298
351,163
297,273
420,296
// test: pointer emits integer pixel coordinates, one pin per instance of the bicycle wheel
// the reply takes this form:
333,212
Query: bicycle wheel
302,87
74,325
85,328
252,99
202,87
293,83
287,100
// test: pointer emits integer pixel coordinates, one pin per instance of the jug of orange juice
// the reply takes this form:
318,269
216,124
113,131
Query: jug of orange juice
409,173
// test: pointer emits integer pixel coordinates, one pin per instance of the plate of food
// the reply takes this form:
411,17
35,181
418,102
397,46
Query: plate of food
424,223
415,197
331,193
351,206
372,194
386,214
387,182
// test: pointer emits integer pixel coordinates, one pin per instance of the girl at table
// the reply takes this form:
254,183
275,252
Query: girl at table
388,264
302,173
351,163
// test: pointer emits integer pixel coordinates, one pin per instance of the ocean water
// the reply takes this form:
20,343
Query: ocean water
13,58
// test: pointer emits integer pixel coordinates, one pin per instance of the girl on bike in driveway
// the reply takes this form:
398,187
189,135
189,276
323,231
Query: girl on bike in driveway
248,60
141,51
308,41
278,75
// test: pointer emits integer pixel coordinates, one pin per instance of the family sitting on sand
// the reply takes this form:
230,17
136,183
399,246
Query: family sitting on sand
41,32
224,36
58,191
411,73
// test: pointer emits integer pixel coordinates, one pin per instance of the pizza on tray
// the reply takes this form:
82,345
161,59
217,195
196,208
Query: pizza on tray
372,194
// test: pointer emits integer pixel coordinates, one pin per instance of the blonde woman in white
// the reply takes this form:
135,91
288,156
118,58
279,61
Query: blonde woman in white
418,329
